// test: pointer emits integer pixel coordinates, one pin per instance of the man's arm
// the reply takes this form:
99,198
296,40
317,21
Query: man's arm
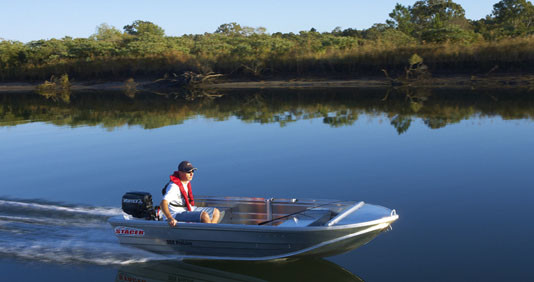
165,208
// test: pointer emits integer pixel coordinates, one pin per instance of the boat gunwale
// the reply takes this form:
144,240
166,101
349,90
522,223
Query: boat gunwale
246,227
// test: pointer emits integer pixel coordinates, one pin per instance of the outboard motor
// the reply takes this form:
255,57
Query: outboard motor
138,204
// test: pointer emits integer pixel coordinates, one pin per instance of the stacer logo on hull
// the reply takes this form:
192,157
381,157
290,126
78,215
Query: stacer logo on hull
129,231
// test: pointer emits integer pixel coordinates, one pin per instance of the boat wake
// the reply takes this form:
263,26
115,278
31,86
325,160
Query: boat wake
50,232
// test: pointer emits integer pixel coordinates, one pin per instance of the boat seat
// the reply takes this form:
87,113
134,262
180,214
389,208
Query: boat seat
314,217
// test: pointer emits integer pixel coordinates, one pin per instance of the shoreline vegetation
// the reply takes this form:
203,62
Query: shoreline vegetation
427,43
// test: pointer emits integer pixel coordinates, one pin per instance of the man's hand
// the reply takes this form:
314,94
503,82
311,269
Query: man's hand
165,209
172,222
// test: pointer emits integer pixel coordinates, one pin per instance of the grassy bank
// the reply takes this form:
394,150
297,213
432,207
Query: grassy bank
368,59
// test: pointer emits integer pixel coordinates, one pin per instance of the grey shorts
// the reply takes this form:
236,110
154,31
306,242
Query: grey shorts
194,215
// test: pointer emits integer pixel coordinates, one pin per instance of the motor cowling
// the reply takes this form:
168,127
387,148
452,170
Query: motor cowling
139,205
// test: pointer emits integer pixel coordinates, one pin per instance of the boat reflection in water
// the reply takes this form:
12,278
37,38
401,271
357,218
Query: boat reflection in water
290,270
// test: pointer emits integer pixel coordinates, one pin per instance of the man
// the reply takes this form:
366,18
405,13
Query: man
178,203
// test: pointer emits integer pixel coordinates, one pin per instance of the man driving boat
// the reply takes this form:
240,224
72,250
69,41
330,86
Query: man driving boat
178,203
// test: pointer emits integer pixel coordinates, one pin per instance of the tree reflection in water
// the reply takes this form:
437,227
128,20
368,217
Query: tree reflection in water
336,107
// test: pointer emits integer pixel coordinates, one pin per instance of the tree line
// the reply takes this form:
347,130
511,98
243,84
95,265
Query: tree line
436,30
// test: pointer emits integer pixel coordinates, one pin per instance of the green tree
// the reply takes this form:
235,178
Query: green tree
88,48
433,21
13,55
140,28
484,27
236,29
229,29
386,33
47,51
401,19
513,17
105,32
351,32
147,39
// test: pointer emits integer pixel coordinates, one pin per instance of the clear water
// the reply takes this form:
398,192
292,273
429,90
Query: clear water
456,165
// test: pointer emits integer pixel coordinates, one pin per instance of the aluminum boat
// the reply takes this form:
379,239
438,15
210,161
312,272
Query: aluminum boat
261,229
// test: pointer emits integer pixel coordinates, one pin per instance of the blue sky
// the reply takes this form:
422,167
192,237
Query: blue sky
26,20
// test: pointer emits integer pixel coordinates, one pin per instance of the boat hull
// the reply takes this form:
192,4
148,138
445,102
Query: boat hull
225,241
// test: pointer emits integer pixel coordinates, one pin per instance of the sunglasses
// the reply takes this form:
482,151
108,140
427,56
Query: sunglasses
190,171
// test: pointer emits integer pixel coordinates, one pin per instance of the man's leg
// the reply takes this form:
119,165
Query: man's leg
216,215
205,217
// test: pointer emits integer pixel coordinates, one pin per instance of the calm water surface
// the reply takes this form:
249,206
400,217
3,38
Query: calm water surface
456,165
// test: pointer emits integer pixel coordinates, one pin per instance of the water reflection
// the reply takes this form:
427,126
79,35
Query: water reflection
298,270
335,107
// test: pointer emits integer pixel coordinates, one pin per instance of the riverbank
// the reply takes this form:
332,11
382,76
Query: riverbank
494,81
75,86
461,82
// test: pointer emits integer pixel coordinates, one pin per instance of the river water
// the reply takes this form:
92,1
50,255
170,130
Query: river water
455,164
